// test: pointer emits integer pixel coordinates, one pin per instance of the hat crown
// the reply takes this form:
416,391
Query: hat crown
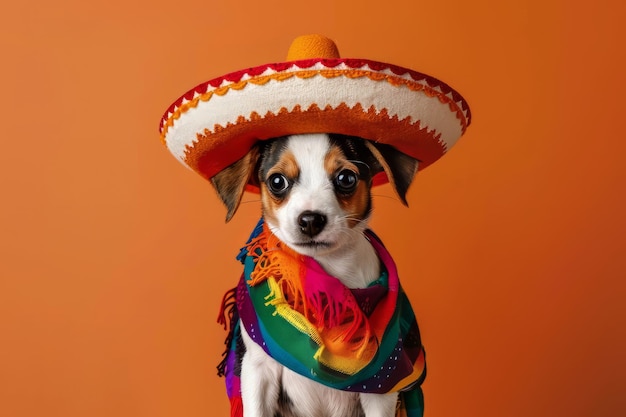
312,46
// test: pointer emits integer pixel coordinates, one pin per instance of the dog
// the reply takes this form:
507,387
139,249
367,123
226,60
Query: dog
316,198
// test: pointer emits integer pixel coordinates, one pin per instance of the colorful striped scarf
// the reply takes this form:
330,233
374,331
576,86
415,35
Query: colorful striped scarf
358,340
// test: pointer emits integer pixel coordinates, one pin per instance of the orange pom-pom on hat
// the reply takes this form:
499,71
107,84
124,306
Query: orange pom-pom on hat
309,46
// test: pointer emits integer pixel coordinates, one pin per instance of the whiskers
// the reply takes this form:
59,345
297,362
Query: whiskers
257,200
273,229
391,197
340,225
343,220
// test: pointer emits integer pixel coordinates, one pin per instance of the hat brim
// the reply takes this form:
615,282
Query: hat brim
217,122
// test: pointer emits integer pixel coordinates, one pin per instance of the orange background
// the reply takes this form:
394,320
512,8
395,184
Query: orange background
114,257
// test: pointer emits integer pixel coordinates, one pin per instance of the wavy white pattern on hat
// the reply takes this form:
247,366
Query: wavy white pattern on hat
289,93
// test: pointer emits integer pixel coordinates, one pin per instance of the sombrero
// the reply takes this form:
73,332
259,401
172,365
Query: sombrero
314,91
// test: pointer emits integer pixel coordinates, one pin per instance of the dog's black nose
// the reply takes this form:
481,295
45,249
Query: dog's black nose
311,222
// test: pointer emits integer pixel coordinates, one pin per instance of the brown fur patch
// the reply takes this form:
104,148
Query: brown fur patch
269,204
230,183
358,204
335,161
287,166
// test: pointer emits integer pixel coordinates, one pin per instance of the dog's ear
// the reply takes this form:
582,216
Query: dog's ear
230,183
399,167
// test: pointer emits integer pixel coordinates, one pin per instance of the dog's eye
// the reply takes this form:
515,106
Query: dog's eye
346,181
278,184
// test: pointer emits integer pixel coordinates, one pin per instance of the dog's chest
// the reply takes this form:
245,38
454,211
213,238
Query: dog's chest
301,397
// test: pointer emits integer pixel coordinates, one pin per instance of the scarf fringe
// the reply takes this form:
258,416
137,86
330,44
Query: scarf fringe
339,313
236,407
228,318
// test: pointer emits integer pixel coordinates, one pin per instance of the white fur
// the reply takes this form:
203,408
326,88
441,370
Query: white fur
348,256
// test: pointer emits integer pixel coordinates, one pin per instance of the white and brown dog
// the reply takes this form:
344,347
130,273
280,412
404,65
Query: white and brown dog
316,198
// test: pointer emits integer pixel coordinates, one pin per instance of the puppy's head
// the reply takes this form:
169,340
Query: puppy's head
315,188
